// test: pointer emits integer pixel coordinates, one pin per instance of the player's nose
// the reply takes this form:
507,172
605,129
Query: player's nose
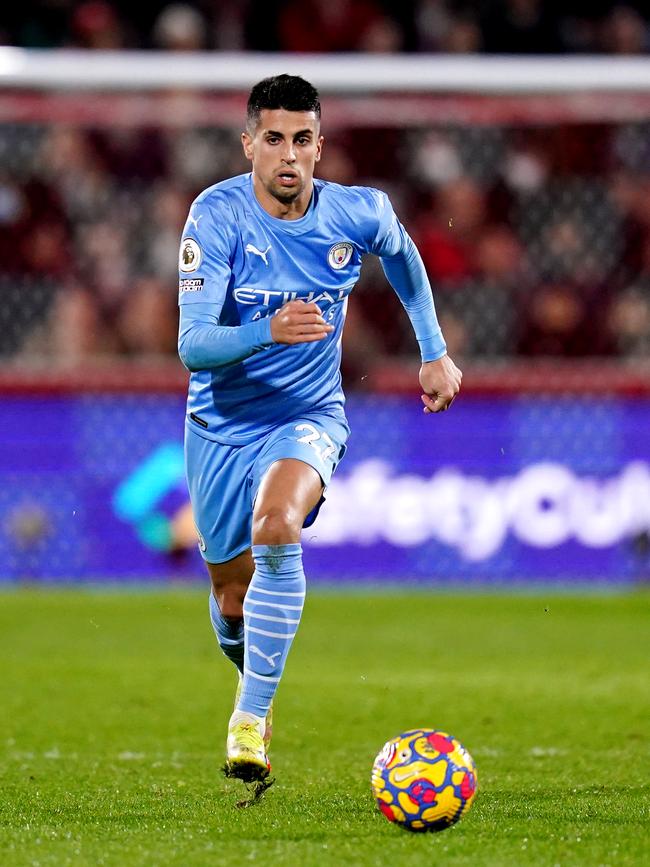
289,156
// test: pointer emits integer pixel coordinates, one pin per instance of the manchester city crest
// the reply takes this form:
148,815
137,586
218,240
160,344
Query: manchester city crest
340,254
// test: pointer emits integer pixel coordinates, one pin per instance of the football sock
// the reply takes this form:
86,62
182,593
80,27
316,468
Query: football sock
229,632
272,610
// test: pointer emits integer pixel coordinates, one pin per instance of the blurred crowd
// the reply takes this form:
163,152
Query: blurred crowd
536,240
492,26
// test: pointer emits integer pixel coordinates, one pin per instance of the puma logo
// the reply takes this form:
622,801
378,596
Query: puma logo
195,221
270,659
251,248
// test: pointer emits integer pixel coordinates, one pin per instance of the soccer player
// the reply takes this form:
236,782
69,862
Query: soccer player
267,262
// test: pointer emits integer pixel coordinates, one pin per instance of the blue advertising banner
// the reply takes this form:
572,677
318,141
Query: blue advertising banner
499,489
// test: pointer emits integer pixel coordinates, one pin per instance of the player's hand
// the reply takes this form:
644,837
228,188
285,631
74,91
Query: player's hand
299,322
440,381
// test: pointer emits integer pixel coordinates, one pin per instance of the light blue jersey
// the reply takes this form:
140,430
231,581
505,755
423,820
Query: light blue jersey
246,265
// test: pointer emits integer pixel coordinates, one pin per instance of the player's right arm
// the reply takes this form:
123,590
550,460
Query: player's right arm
205,272
299,322
204,344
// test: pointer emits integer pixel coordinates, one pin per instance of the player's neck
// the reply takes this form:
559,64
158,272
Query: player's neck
283,210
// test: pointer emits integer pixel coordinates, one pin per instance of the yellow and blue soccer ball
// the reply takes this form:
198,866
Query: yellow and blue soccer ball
424,780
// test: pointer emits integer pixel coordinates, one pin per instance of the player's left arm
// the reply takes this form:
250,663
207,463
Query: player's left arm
439,377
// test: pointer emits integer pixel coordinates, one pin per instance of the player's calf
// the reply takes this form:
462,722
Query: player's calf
272,611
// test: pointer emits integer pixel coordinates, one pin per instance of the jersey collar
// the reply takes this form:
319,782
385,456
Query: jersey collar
290,227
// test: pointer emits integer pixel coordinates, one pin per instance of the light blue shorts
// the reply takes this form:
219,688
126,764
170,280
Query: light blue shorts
223,480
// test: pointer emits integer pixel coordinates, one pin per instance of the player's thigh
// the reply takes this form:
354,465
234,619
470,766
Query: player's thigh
290,487
219,483
296,464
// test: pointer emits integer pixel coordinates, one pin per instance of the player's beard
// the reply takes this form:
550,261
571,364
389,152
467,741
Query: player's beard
285,196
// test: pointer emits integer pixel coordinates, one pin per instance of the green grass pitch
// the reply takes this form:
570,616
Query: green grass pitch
113,708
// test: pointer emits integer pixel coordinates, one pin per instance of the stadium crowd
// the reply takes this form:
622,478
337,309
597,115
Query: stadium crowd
491,26
536,240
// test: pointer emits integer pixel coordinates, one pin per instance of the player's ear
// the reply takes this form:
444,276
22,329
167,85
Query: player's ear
247,144
319,147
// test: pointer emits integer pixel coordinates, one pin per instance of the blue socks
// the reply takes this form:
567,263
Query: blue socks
230,634
272,610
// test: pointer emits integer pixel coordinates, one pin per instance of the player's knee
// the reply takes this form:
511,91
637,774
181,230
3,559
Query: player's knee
232,607
230,599
277,525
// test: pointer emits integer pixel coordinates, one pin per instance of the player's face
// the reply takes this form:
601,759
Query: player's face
284,149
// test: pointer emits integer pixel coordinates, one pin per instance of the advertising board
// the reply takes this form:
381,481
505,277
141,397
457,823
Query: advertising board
500,489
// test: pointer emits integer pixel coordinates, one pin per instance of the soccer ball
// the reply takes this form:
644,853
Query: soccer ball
424,780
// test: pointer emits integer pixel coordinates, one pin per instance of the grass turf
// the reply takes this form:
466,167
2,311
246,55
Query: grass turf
114,708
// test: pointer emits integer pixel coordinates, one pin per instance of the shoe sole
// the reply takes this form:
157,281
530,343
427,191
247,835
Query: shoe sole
246,771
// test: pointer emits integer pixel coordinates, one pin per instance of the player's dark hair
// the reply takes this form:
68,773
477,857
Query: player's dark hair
289,92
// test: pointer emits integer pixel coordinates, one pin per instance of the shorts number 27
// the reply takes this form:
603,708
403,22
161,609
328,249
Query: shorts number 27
315,439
